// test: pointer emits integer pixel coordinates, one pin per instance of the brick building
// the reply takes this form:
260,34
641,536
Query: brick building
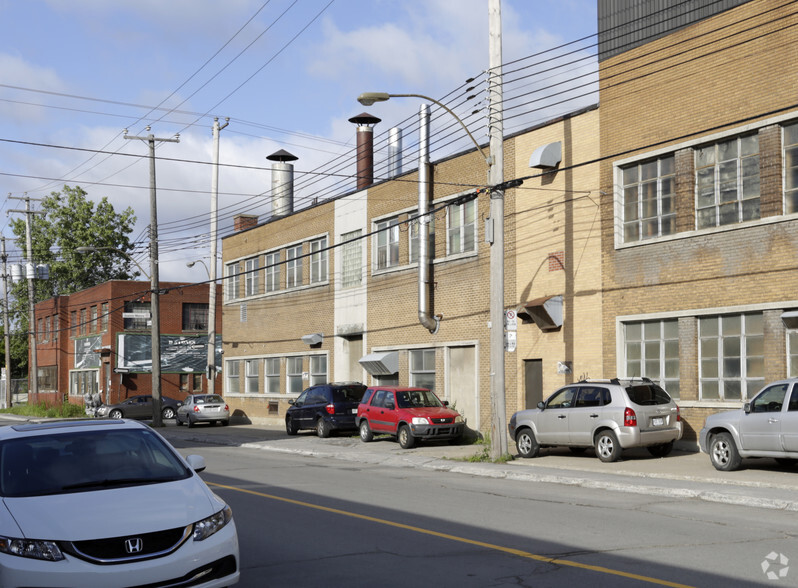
331,292
98,341
699,135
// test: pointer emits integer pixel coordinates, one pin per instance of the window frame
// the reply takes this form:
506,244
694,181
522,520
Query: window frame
232,272
723,360
270,376
459,228
643,360
232,372
319,260
351,259
251,376
251,281
293,266
419,373
272,271
665,221
386,244
293,377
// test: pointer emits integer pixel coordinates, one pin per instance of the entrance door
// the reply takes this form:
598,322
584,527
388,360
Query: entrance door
462,393
533,382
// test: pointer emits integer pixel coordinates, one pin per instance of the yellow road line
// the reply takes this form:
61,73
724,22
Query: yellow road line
510,550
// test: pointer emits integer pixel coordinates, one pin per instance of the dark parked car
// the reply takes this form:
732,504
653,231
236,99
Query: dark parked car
139,407
408,414
206,408
325,408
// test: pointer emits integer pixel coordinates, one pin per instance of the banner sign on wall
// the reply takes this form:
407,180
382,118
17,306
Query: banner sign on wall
179,353
85,357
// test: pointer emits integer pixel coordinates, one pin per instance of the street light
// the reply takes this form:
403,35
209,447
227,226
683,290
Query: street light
210,369
497,344
369,98
155,330
127,255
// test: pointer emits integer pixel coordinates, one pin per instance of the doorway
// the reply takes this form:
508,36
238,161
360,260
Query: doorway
533,382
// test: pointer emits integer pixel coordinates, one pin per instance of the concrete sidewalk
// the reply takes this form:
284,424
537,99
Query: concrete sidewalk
686,474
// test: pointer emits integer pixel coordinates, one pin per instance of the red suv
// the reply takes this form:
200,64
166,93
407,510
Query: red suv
408,414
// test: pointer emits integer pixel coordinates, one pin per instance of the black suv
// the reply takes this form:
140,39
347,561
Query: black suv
325,407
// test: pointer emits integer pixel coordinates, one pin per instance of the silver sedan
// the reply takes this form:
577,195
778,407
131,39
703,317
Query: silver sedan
209,408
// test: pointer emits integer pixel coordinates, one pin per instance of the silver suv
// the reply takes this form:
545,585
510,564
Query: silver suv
765,427
609,415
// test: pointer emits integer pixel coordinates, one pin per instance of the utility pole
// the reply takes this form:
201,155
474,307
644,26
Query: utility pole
155,330
30,270
499,445
9,396
210,370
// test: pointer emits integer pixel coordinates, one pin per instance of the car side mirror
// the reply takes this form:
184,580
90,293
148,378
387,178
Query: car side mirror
541,405
446,403
197,462
292,403
747,408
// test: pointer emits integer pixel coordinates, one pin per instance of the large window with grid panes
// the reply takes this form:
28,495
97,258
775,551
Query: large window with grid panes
422,368
651,350
648,199
727,182
351,259
731,356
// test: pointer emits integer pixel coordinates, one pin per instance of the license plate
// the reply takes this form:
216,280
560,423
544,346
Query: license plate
657,422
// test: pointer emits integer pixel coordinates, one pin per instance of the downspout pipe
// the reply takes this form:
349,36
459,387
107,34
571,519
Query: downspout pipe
425,316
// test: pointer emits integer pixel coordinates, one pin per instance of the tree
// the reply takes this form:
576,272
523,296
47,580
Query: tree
71,220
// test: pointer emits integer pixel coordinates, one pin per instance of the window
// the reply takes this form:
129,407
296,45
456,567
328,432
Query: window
791,168
648,199
731,356
271,368
104,316
138,316
39,330
251,277
48,378
727,182
190,383
84,323
272,272
233,271
792,353
48,326
351,259
387,250
652,351
94,324
83,382
318,260
251,374
461,237
73,323
318,370
414,231
231,369
195,316
422,368
293,267
293,373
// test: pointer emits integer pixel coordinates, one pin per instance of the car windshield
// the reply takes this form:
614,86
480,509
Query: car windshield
89,460
417,399
647,394
208,399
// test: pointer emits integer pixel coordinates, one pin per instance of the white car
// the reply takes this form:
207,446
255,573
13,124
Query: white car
108,503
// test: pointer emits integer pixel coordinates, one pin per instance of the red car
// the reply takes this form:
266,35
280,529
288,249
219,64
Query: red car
408,414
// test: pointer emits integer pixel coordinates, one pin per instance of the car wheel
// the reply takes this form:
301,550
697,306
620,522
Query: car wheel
291,427
526,443
365,431
607,447
225,422
660,450
178,422
406,439
322,428
168,413
723,453
577,450
115,414
190,422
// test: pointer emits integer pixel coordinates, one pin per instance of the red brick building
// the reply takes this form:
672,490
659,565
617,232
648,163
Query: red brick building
98,341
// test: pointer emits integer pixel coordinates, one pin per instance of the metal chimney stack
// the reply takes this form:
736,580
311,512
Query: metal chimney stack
282,183
394,152
365,148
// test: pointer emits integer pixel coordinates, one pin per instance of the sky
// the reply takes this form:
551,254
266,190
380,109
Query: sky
77,73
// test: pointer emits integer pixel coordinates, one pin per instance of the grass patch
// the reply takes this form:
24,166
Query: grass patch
483,456
40,409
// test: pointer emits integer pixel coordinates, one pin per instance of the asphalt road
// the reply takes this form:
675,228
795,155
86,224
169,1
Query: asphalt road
306,520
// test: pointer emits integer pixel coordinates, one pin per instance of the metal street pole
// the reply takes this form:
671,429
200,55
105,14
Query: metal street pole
499,446
210,370
9,397
155,330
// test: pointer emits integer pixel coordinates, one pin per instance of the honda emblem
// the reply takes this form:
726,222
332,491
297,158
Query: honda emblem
134,545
